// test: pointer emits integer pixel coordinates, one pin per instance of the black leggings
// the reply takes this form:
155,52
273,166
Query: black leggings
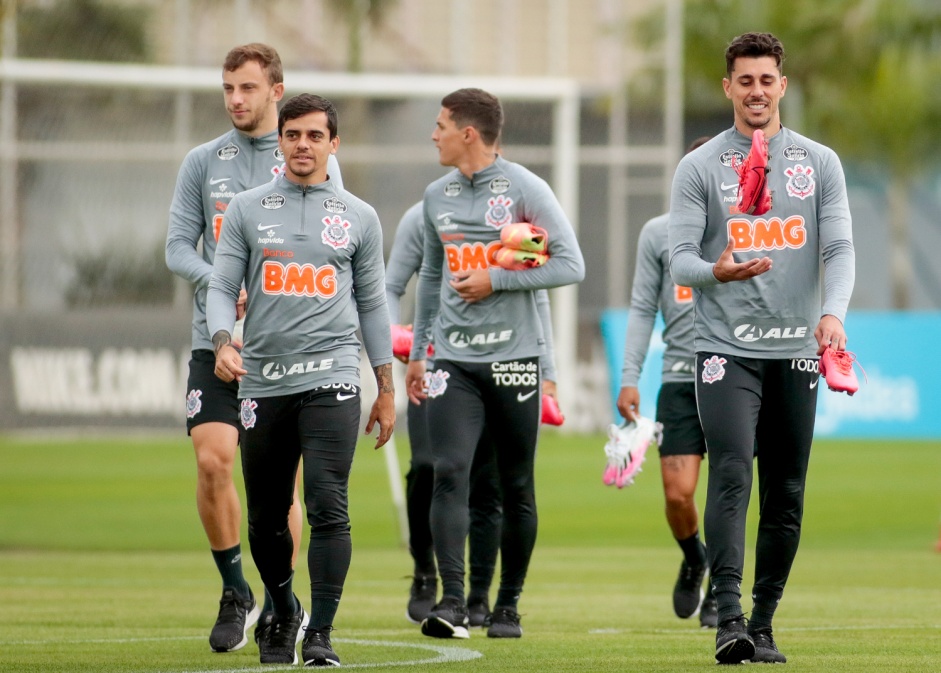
768,407
486,509
503,399
322,426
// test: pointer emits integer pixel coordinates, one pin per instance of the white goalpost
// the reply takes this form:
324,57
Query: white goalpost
561,93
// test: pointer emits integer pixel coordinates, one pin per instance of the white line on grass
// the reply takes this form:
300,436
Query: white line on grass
445,655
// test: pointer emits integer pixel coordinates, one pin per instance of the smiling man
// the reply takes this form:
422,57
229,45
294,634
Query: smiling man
759,328
310,256
211,175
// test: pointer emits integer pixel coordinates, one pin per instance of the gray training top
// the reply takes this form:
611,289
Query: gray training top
311,259
773,315
655,290
405,261
210,175
463,217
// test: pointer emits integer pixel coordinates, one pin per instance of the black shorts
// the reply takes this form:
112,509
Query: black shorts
682,432
209,399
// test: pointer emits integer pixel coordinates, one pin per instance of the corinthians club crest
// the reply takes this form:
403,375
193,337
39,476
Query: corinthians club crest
336,233
498,214
800,182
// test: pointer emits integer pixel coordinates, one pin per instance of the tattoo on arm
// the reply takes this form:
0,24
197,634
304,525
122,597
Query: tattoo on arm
220,339
384,378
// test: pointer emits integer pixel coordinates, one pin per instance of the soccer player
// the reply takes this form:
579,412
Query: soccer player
488,340
484,502
759,328
211,174
310,255
683,445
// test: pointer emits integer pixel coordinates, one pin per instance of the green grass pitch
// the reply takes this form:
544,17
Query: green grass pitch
104,567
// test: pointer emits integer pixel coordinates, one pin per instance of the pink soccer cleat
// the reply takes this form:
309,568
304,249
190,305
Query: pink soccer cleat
753,195
519,260
550,411
524,236
837,368
402,342
627,449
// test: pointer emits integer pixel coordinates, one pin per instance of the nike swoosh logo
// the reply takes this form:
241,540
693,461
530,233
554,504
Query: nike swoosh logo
262,227
216,181
520,397
813,384
726,187
341,396
441,216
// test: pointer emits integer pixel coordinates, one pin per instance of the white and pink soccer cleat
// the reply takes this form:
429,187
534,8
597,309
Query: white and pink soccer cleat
626,449
837,368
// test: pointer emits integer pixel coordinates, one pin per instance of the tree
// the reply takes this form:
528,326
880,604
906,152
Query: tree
356,14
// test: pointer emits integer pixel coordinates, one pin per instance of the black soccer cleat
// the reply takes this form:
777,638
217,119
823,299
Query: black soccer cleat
766,650
421,598
733,644
687,592
448,619
237,614
317,650
504,623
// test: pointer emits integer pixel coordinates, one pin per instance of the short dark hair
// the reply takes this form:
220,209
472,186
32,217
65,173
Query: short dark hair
305,103
262,54
754,45
477,108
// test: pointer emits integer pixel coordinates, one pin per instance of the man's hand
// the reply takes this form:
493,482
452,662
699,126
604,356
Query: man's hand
383,412
549,388
726,269
830,333
228,359
629,402
473,286
383,409
415,381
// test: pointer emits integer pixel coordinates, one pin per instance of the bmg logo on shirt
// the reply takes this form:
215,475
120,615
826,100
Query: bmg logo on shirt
770,234
299,280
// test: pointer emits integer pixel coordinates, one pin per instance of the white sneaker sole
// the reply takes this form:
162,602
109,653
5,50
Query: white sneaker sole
438,628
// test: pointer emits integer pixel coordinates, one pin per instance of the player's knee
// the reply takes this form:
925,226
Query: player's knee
213,468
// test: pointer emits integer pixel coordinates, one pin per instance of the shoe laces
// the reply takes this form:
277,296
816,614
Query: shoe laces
688,574
763,637
280,633
739,619
505,616
230,607
844,360
318,637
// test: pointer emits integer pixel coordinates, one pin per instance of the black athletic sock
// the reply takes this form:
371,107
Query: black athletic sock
452,589
762,612
728,597
694,551
478,595
322,612
282,598
507,598
229,563
269,604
